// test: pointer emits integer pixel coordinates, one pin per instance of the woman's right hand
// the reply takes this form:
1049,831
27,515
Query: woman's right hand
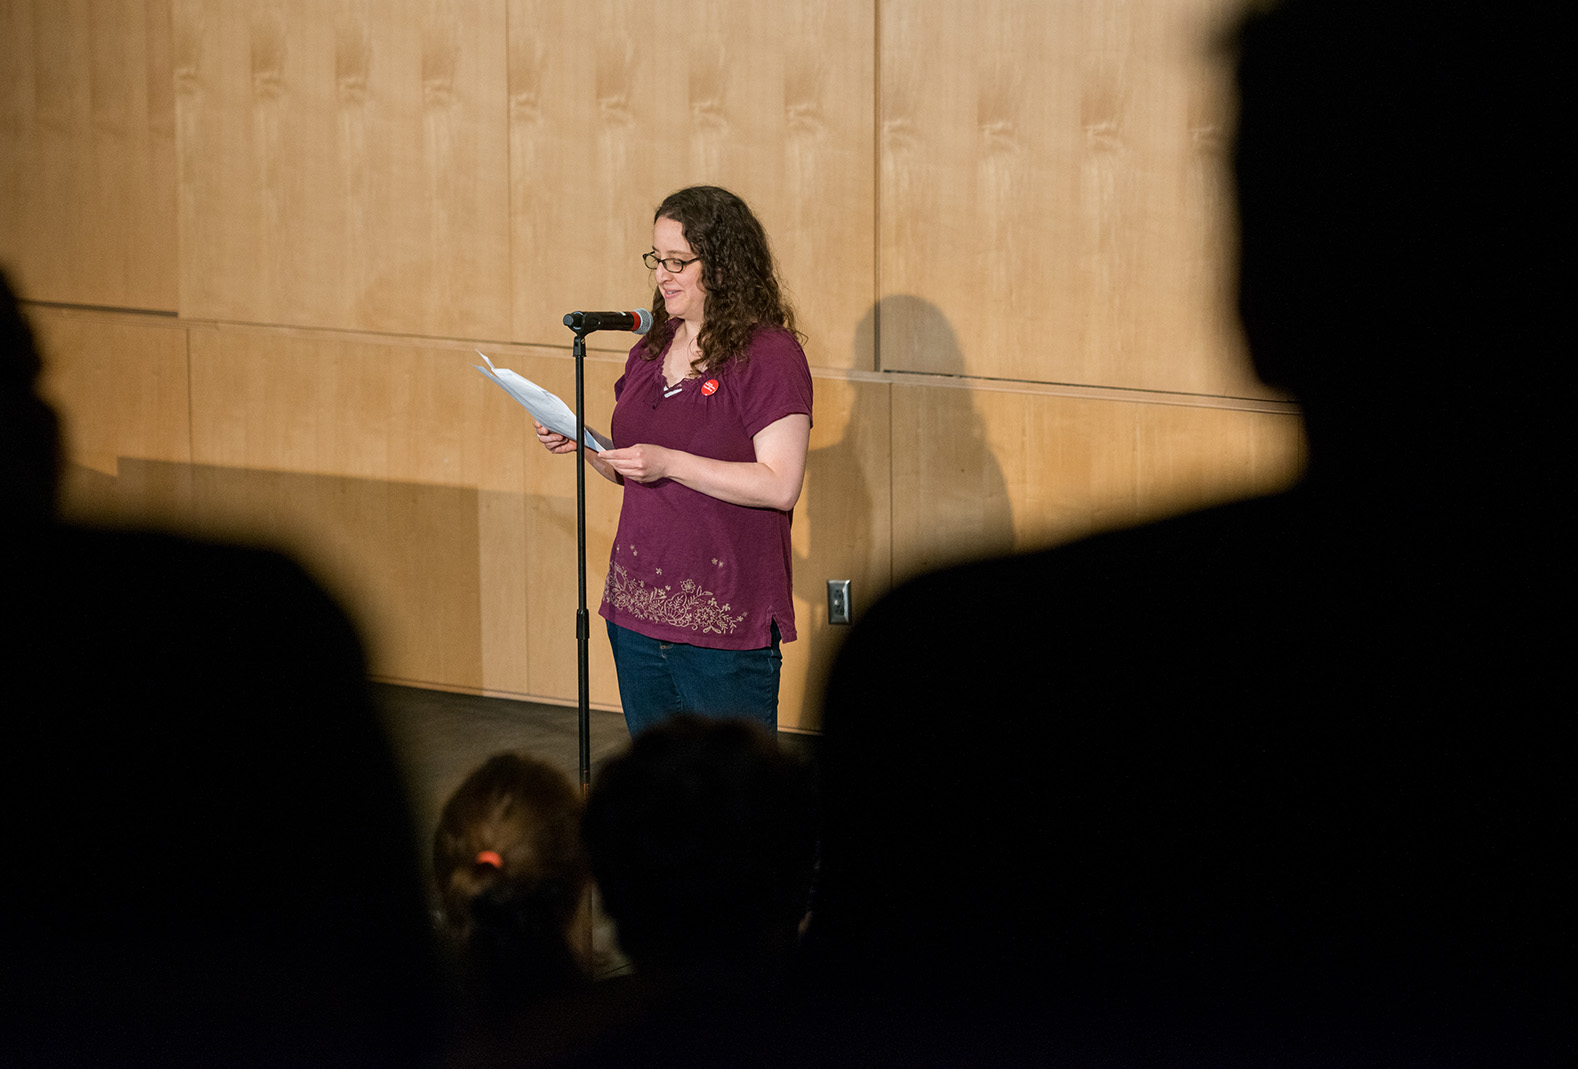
553,441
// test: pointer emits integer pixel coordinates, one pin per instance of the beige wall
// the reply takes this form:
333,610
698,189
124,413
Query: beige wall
260,240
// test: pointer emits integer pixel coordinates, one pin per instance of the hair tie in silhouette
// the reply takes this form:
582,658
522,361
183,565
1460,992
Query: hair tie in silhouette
490,857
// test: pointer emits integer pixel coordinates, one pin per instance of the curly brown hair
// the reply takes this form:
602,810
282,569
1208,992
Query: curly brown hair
743,292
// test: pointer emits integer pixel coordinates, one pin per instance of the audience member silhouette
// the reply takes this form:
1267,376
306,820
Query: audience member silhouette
701,837
211,859
513,886
1285,781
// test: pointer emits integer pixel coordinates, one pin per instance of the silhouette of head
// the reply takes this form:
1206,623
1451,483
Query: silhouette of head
701,840
1391,169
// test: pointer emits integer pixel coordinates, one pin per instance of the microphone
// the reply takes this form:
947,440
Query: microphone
639,321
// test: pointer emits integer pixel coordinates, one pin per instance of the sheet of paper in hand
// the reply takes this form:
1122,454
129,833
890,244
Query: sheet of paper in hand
545,407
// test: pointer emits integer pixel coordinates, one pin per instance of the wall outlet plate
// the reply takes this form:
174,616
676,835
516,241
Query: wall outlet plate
840,610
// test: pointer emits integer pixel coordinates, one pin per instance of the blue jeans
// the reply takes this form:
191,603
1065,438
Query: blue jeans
658,680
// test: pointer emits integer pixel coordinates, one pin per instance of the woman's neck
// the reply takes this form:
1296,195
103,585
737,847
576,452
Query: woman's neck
682,352
687,332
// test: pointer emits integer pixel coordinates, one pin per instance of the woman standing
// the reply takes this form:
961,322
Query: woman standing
712,419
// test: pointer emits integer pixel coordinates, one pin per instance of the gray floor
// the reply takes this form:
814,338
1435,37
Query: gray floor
440,737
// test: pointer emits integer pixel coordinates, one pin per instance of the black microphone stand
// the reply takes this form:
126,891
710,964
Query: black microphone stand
582,324
583,629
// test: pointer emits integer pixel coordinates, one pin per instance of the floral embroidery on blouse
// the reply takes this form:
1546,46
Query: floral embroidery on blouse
691,607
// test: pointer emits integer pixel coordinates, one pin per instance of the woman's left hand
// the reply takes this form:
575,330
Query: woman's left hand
641,463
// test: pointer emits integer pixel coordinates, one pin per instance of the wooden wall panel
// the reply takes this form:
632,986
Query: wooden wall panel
87,152
979,471
119,383
551,538
344,164
614,104
1047,205
1052,180
376,461
1084,465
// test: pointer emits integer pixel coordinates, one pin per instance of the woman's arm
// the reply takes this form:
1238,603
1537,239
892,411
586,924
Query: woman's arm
772,480
555,442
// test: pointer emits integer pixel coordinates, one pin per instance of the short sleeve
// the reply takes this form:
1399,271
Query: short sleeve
776,382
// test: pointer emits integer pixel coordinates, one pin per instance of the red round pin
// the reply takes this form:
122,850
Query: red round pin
709,387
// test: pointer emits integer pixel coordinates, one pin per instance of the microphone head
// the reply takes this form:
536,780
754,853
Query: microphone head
639,321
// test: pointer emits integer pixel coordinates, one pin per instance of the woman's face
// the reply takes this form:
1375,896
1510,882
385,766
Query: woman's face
684,297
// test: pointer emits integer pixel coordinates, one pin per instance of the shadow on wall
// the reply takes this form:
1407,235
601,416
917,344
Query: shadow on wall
406,556
890,498
949,498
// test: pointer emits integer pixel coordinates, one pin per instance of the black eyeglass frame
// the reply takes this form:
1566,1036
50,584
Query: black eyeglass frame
653,261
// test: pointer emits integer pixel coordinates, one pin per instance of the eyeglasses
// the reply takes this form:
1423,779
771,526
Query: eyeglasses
673,265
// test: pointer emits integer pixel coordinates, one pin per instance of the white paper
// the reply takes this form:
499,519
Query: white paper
545,407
